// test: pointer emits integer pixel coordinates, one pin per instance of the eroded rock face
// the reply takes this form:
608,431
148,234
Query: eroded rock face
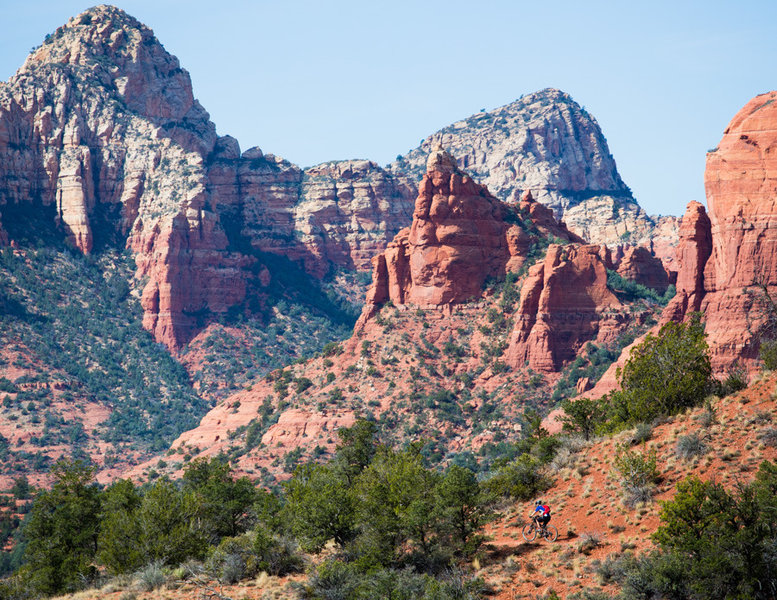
564,303
347,213
547,143
100,132
741,185
457,239
101,124
721,258
641,266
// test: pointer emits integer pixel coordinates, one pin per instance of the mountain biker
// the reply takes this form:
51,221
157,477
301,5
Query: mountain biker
541,514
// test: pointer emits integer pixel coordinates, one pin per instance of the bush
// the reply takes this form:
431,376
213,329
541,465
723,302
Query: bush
714,543
664,374
521,479
614,568
642,433
583,416
62,531
736,380
769,437
589,542
151,576
277,555
690,446
768,354
638,474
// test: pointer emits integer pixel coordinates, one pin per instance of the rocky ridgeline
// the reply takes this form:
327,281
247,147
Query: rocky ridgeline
546,143
101,134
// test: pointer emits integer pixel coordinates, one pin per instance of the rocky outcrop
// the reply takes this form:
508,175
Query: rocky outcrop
347,213
457,239
638,264
723,258
547,143
693,251
741,185
564,303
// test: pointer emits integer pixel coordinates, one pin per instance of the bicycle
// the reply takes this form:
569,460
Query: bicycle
532,530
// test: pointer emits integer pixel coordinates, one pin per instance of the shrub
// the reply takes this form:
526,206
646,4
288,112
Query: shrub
151,576
62,530
714,543
638,474
277,555
521,479
583,416
664,374
614,567
332,349
769,437
735,381
690,446
708,418
589,542
642,433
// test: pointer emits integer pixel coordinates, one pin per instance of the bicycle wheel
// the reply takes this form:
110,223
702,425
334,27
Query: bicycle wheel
552,533
529,532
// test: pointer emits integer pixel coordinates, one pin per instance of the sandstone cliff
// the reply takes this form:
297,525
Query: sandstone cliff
457,239
101,136
723,257
455,338
347,212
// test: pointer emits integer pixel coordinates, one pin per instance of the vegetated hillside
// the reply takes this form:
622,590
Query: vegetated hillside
547,143
290,319
458,371
81,375
724,442
606,532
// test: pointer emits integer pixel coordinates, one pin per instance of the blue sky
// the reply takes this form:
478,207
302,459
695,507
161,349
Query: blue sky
314,81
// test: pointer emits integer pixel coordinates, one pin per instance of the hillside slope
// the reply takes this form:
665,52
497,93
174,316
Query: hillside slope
474,313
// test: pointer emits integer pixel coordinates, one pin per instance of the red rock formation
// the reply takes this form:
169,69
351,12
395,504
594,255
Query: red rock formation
641,266
722,257
565,303
457,239
693,251
543,219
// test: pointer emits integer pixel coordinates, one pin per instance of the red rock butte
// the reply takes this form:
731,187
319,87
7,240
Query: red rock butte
724,256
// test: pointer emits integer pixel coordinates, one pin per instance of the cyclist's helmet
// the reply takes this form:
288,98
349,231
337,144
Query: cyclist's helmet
538,503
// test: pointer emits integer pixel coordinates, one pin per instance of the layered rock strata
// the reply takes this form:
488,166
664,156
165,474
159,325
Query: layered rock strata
100,130
459,237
